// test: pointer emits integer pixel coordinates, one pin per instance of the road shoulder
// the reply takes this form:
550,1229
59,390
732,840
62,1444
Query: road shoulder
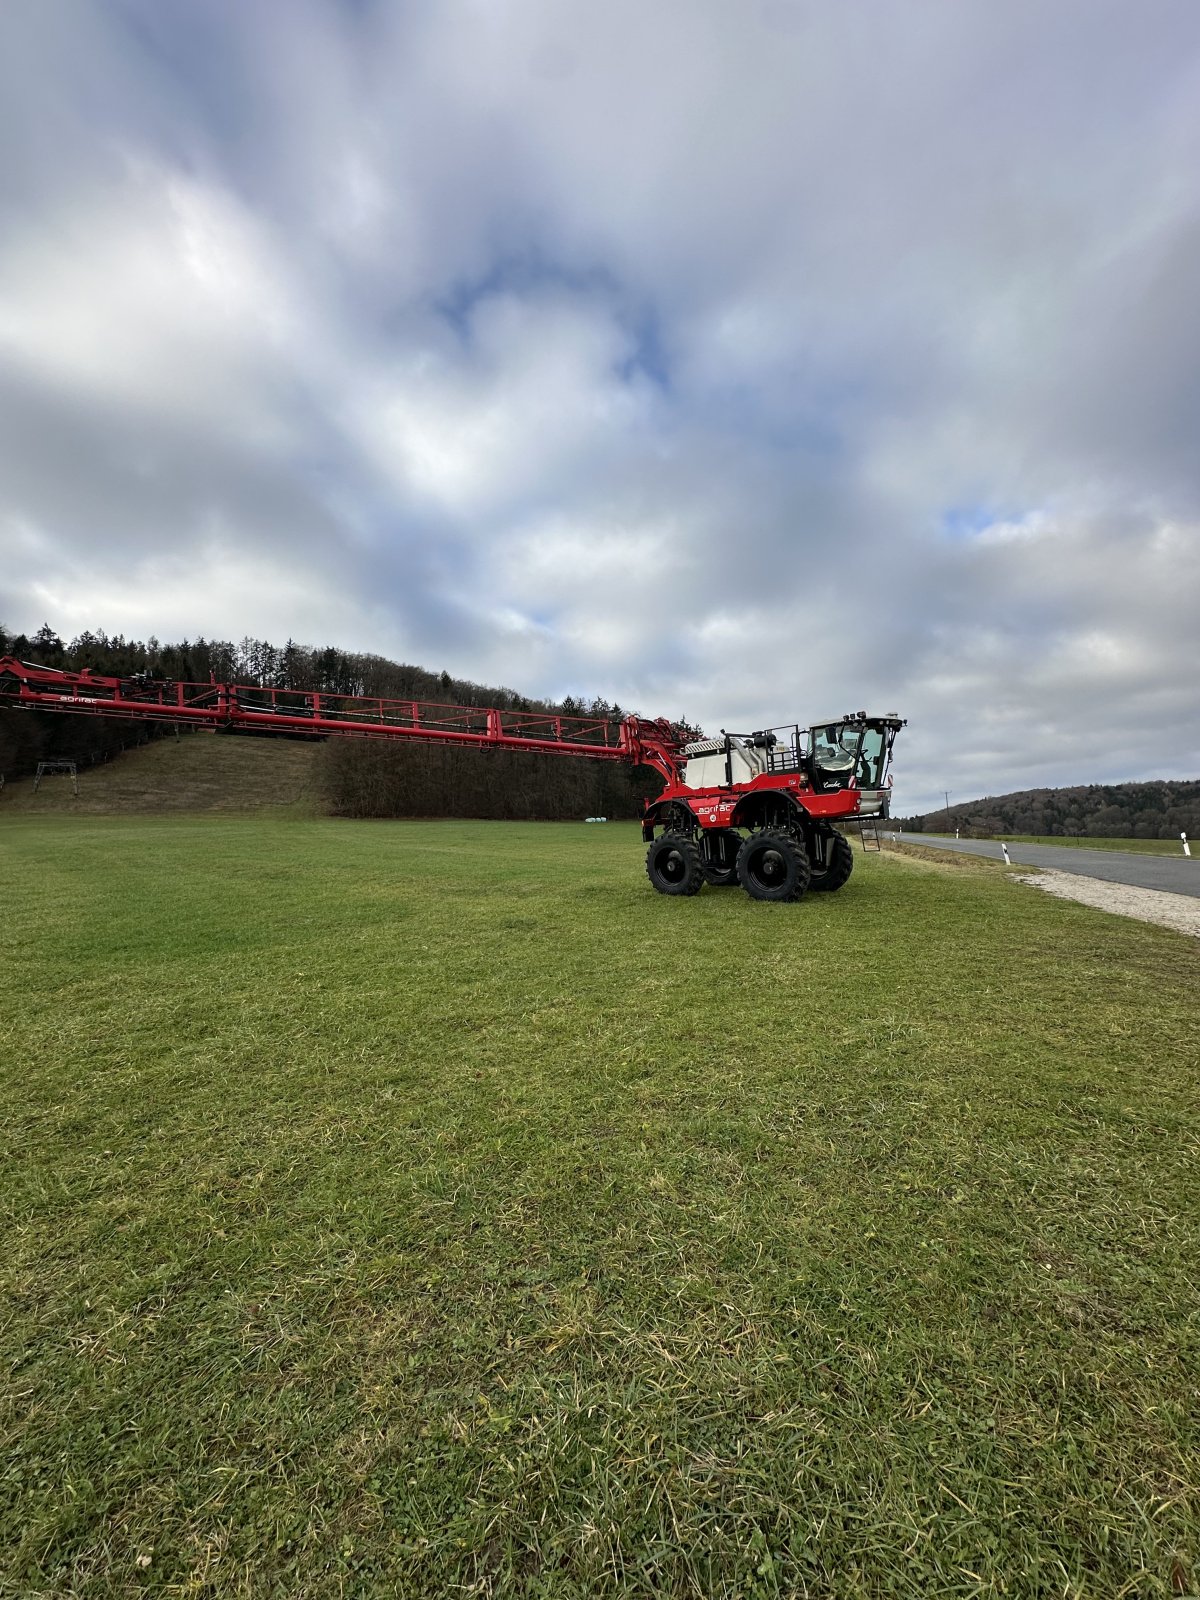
1178,911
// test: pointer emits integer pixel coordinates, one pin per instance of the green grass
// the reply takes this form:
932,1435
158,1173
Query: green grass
1149,847
432,1209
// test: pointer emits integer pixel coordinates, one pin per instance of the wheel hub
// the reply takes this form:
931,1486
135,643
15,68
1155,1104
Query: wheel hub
673,866
770,864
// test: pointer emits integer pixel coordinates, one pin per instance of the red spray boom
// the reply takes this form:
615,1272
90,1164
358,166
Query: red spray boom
249,709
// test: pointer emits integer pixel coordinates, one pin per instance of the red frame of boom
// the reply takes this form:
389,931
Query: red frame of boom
252,709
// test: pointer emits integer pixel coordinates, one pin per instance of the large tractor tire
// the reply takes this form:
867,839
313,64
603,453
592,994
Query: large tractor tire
673,864
837,866
718,859
773,865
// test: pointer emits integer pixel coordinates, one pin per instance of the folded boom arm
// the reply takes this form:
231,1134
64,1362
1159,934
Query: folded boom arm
251,709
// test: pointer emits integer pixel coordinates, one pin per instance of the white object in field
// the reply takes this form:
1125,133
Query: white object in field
595,819
1187,849
956,833
1007,860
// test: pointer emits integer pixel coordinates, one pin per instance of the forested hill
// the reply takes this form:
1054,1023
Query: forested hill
360,778
1159,810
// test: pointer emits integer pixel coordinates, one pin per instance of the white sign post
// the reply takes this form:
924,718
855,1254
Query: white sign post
1187,849
1007,861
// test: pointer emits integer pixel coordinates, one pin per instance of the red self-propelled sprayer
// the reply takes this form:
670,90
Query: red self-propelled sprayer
757,809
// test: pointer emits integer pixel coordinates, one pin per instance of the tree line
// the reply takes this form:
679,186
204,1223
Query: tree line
1159,810
359,778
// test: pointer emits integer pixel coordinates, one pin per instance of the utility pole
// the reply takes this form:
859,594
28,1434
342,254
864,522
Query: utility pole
946,792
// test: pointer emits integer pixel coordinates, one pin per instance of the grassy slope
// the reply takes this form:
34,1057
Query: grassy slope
393,1207
196,773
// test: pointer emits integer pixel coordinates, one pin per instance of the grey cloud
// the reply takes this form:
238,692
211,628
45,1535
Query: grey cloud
750,361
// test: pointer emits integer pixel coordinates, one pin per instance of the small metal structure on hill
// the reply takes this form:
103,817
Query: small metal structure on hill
56,769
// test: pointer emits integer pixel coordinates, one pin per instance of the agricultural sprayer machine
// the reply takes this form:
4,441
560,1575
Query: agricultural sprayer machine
759,809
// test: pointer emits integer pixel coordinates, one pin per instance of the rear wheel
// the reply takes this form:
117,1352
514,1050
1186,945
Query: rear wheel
773,865
831,872
719,853
673,864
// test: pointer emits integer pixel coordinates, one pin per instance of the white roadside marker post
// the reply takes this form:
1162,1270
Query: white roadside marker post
1007,861
1187,849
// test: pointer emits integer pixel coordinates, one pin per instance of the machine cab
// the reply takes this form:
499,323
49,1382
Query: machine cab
854,752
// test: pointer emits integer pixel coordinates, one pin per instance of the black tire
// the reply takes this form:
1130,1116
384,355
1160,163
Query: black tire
837,866
718,860
773,865
673,864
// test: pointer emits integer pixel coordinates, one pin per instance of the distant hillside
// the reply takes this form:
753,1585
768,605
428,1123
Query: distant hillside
1159,810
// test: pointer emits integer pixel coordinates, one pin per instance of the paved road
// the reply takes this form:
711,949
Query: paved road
1177,874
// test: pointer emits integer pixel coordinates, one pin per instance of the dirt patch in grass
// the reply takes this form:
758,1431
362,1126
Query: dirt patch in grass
952,860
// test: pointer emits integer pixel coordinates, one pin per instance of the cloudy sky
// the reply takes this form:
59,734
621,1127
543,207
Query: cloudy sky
752,360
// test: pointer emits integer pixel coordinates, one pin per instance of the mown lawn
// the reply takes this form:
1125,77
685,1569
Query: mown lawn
432,1209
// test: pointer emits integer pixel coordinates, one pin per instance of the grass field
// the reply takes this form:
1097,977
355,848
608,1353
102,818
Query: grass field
1147,847
432,1209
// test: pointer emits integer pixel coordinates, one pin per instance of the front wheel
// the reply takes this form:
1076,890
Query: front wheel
773,865
673,865
838,863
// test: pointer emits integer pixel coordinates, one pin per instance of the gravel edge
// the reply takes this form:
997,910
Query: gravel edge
1177,911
